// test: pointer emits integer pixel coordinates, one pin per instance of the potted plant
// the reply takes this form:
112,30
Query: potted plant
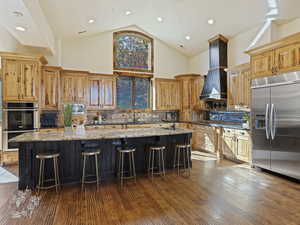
246,118
68,119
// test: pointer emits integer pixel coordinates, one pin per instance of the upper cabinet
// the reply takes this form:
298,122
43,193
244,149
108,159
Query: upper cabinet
101,91
74,86
277,57
191,86
21,77
50,95
168,94
238,87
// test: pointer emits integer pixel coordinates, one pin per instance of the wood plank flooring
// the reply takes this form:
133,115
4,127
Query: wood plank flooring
216,193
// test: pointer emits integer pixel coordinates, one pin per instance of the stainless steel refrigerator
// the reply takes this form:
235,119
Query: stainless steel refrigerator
276,123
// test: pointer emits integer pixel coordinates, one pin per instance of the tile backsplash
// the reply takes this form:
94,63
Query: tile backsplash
129,117
227,116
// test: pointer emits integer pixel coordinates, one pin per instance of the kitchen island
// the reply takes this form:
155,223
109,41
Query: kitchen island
107,140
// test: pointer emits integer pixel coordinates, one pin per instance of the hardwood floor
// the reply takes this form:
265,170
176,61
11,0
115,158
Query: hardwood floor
217,193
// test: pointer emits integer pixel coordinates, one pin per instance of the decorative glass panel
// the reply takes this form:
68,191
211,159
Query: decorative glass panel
124,92
133,51
141,93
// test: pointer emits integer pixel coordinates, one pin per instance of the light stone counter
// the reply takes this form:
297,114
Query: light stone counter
99,134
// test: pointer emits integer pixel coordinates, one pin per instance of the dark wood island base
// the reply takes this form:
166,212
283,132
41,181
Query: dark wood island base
70,160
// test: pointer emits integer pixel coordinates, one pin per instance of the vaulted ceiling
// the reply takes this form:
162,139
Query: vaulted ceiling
180,18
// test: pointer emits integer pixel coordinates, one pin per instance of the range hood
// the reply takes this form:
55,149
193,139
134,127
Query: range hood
215,85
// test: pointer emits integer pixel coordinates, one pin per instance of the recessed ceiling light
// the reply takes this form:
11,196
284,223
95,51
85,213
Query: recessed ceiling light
187,37
211,21
159,19
91,21
20,28
127,13
17,13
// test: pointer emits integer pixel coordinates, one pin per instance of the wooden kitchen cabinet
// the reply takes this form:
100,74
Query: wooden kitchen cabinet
191,86
262,64
102,92
74,86
239,87
21,77
205,138
277,57
236,145
50,87
168,94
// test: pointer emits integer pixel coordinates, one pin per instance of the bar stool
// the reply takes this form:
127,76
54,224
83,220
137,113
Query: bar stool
160,163
131,174
185,151
86,155
42,157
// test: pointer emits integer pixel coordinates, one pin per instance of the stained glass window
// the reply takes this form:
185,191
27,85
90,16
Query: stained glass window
133,51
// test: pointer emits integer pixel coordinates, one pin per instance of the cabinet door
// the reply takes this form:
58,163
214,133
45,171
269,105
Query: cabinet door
229,146
108,93
262,64
29,81
50,85
67,89
94,93
175,94
287,58
80,88
233,90
11,80
186,94
167,94
242,148
197,86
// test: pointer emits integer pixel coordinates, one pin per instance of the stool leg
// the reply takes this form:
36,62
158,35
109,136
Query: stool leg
40,175
55,174
97,170
175,153
83,172
188,159
149,161
130,165
163,162
159,162
153,159
122,168
133,165
119,166
184,158
178,161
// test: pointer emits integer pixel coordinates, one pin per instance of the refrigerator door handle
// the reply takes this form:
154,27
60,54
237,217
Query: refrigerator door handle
272,122
267,122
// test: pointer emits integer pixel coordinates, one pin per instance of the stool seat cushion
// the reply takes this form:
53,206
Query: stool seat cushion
157,148
126,150
91,153
47,155
183,146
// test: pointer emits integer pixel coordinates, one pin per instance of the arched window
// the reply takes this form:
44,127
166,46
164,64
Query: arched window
133,51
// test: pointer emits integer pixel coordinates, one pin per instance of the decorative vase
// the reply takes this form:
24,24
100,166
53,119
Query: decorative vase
68,131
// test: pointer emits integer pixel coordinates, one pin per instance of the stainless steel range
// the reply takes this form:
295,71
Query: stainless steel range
18,118
276,123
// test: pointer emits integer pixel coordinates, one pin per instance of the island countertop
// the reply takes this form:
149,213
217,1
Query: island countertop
99,134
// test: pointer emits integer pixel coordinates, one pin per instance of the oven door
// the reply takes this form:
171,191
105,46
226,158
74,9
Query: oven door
20,120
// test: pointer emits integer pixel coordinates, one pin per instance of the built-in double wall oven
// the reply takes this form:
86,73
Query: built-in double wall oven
18,118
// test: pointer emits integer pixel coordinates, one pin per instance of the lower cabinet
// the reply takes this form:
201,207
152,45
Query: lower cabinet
236,144
205,138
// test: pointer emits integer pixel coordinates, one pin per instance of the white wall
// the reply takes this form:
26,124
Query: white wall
7,42
95,54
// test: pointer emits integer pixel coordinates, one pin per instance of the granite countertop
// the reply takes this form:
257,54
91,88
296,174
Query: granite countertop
223,125
98,134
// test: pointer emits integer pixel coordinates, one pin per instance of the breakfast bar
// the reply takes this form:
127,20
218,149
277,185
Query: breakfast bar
71,146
